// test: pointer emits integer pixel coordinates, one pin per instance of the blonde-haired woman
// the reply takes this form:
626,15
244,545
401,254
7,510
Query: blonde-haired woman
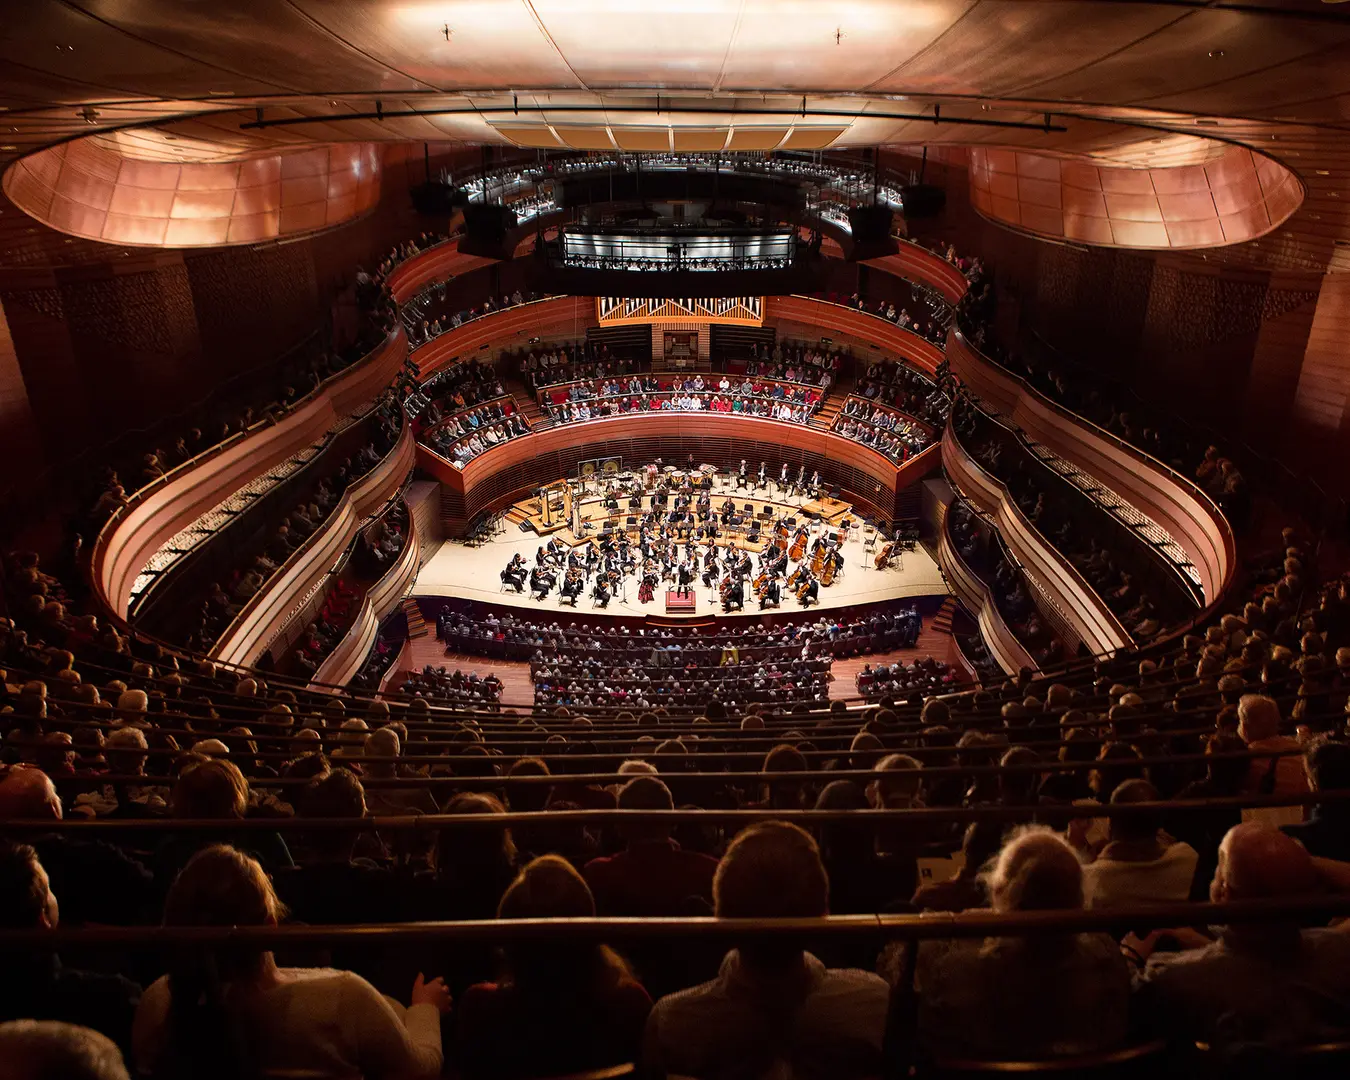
229,1012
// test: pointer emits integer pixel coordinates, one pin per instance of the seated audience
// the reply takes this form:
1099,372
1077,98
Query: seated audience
1051,995
1140,863
773,1008
52,1050
1269,982
229,1011
561,1007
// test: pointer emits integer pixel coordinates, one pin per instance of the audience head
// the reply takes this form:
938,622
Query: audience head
210,788
1037,870
26,898
645,793
1258,718
28,794
54,1050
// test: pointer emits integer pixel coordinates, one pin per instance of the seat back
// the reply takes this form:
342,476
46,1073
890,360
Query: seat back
1131,1061
611,1072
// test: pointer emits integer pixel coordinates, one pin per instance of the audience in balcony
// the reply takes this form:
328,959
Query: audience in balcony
794,361
560,362
897,436
689,393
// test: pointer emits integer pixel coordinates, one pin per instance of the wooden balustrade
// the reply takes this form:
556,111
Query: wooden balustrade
1077,606
1002,643
164,509
252,629
1149,485
381,598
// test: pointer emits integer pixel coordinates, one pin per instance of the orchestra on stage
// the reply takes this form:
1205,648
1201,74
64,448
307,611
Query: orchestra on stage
683,537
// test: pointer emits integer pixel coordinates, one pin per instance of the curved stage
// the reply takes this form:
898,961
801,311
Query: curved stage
474,572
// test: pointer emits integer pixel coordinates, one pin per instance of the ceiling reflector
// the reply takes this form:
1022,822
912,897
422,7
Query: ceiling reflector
585,138
756,138
528,135
812,138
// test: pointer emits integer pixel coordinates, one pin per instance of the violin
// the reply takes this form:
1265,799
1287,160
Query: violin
883,557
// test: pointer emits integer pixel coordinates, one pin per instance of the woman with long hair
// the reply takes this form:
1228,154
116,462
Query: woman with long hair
560,1006
230,1013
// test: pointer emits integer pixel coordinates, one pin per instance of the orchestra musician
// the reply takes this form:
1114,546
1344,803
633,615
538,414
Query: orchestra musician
710,566
601,593
571,586
763,474
733,593
800,485
783,477
815,484
809,591
514,574
647,589
742,475
771,595
798,546
541,582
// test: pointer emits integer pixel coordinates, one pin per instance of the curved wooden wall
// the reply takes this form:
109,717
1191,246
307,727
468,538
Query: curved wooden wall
380,599
254,627
127,542
1077,607
1153,488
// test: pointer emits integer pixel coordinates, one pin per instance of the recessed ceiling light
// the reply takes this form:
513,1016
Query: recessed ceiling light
220,93
1216,54
7,149
1322,172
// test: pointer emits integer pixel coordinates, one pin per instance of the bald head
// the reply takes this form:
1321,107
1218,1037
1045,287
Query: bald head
29,795
1259,862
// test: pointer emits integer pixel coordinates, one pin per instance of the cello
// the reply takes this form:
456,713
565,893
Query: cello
883,557
798,548
832,562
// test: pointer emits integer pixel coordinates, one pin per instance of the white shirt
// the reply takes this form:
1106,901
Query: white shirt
1112,883
317,1022
827,1024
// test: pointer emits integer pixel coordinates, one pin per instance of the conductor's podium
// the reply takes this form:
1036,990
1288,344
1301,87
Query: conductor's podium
679,604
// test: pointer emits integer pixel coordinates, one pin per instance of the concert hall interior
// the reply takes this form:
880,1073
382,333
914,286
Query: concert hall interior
549,539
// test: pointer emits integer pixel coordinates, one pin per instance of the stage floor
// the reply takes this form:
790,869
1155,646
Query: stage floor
474,573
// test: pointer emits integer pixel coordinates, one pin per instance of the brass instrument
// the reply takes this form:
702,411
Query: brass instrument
883,557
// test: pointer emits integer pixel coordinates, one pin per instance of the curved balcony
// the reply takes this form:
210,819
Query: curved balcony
509,326
380,599
1080,614
1151,486
842,319
161,510
494,479
267,612
430,267
978,599
914,262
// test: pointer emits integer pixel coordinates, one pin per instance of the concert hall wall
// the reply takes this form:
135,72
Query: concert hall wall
1257,355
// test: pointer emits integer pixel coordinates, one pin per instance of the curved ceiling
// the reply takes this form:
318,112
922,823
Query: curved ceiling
1116,82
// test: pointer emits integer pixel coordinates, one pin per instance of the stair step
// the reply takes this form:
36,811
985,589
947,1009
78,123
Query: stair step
417,626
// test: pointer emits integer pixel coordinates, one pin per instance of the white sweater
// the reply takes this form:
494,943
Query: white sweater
317,1023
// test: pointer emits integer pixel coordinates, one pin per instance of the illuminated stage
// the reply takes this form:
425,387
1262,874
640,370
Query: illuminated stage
474,572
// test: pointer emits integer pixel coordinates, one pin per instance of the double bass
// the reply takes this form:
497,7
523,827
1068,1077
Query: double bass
832,563
883,557
804,588
818,559
798,548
